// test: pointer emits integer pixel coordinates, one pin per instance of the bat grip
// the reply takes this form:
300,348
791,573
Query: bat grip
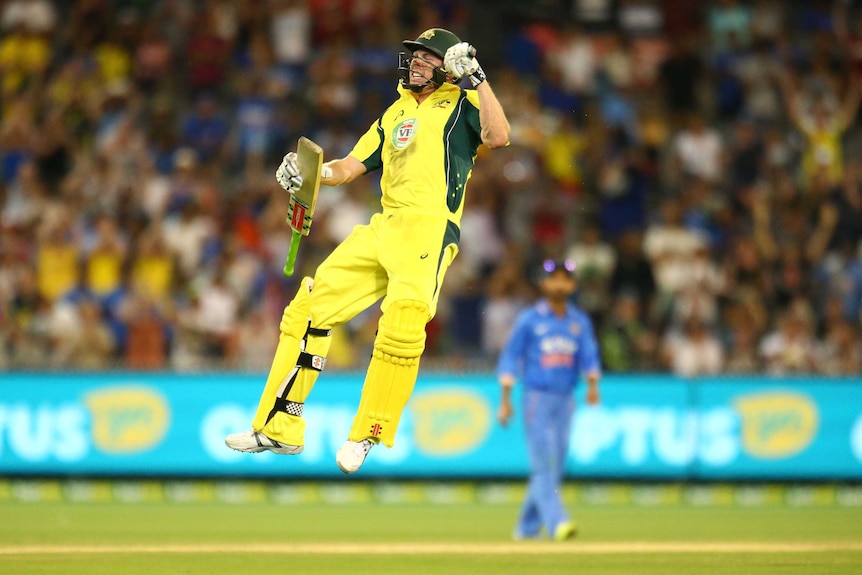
291,254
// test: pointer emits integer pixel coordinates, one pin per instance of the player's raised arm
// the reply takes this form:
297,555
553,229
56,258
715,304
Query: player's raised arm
460,61
495,126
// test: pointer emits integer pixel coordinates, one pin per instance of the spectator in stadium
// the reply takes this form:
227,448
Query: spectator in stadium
552,346
847,30
633,272
840,352
97,98
627,343
699,151
596,261
839,274
205,130
741,339
507,292
823,125
790,347
693,349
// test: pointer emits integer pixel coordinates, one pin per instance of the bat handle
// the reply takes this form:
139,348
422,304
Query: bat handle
291,255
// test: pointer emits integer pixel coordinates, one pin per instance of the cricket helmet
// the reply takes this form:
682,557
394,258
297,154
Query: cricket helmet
436,41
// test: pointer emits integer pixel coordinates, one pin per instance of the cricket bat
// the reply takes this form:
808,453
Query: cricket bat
300,209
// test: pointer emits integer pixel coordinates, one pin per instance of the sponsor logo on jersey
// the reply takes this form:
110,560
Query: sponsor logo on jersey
404,133
556,360
442,103
557,351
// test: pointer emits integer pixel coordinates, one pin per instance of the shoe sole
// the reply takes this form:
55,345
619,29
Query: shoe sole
338,459
345,470
292,450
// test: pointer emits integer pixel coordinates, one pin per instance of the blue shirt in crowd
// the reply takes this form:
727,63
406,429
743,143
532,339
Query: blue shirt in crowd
548,352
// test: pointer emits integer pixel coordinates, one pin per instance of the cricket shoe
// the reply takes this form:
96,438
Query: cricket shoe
254,442
565,531
351,455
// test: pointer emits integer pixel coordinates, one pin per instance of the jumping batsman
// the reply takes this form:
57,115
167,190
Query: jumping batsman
550,346
425,143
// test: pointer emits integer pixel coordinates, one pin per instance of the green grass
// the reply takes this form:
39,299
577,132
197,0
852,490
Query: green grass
310,539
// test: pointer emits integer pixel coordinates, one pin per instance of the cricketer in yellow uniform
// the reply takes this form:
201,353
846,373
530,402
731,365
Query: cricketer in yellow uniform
425,143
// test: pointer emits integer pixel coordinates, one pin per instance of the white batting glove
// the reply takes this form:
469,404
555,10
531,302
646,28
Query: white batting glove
288,175
460,60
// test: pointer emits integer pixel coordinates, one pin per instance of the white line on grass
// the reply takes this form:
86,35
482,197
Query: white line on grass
544,547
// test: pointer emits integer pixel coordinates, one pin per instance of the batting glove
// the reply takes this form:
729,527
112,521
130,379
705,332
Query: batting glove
460,60
288,175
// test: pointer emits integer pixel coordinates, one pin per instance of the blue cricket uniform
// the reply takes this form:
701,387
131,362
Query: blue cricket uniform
548,354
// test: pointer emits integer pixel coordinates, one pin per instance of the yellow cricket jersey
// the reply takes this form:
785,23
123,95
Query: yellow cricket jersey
426,150
823,150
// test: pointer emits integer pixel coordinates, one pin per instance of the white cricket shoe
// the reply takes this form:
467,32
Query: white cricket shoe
254,441
351,455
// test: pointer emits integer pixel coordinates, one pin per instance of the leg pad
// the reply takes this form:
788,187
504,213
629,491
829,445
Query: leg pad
392,372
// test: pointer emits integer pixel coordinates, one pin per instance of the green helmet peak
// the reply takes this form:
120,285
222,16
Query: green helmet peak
435,40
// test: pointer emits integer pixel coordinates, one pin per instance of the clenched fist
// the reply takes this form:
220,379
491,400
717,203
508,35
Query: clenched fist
460,60
288,175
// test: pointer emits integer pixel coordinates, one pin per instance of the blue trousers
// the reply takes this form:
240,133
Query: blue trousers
547,422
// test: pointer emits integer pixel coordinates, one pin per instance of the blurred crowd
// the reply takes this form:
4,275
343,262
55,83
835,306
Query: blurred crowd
700,161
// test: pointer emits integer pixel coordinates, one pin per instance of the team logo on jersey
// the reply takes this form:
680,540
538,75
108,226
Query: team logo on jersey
404,133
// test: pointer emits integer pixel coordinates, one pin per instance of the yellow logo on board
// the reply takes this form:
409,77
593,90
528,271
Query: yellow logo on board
450,422
777,425
127,419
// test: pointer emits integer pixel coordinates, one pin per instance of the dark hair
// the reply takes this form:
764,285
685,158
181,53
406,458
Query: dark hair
550,266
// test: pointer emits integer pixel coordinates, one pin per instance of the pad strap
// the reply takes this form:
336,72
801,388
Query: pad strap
289,407
317,332
315,362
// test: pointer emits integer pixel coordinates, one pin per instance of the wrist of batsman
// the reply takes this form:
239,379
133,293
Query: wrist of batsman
478,76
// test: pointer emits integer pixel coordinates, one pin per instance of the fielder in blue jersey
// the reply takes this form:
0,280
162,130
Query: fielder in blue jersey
550,346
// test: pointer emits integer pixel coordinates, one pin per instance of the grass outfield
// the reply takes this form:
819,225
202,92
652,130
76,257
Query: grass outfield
372,538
